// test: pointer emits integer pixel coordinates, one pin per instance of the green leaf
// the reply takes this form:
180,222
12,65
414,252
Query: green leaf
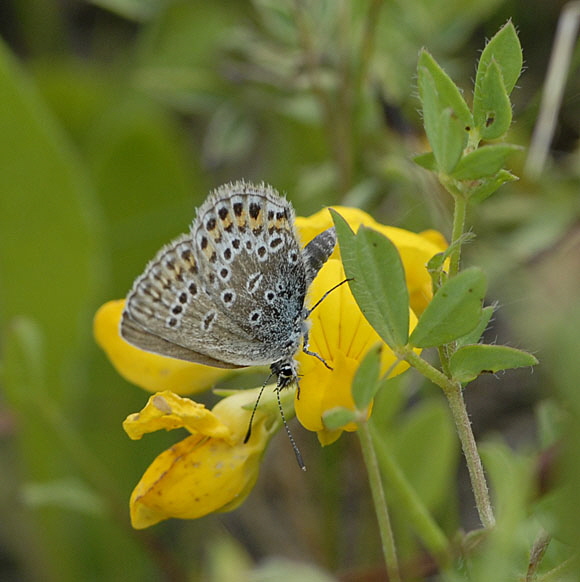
426,160
468,362
50,261
137,10
378,280
445,131
452,139
448,93
488,186
435,263
475,335
23,370
366,379
386,303
483,162
492,110
346,243
338,417
454,310
505,49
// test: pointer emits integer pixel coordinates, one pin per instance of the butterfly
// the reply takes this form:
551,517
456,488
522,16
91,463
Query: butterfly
232,292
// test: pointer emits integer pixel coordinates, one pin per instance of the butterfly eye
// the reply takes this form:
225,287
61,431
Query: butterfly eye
286,371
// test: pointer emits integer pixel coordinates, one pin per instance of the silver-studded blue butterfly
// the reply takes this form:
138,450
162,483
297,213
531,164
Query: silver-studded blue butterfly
231,293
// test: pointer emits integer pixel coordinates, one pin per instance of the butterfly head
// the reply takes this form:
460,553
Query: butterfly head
286,370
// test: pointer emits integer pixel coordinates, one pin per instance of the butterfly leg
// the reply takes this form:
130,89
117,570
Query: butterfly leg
305,343
305,346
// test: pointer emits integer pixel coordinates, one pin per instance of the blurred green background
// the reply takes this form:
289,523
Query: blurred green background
116,118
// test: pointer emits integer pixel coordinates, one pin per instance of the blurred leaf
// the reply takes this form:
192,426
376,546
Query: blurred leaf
507,546
49,265
390,399
483,162
338,417
229,137
150,197
366,379
405,27
179,57
475,335
492,110
425,446
469,362
378,280
505,49
139,10
550,417
287,570
23,370
426,161
227,559
454,310
69,494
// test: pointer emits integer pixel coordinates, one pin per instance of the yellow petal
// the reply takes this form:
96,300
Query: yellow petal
341,335
415,249
166,410
147,370
197,476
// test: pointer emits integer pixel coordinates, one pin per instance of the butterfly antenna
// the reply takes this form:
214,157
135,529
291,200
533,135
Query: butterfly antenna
249,433
292,441
327,294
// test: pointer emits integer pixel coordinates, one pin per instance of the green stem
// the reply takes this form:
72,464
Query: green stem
472,458
380,502
412,506
459,214
539,548
454,394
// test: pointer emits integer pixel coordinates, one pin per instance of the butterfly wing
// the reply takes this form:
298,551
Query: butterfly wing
202,297
249,252
168,312
139,336
231,293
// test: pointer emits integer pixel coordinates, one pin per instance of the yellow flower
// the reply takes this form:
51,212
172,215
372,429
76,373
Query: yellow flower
154,372
213,469
340,334
147,370
415,249
210,470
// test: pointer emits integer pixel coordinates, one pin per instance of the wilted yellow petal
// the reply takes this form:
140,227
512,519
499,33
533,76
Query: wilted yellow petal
212,470
147,370
197,476
166,410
